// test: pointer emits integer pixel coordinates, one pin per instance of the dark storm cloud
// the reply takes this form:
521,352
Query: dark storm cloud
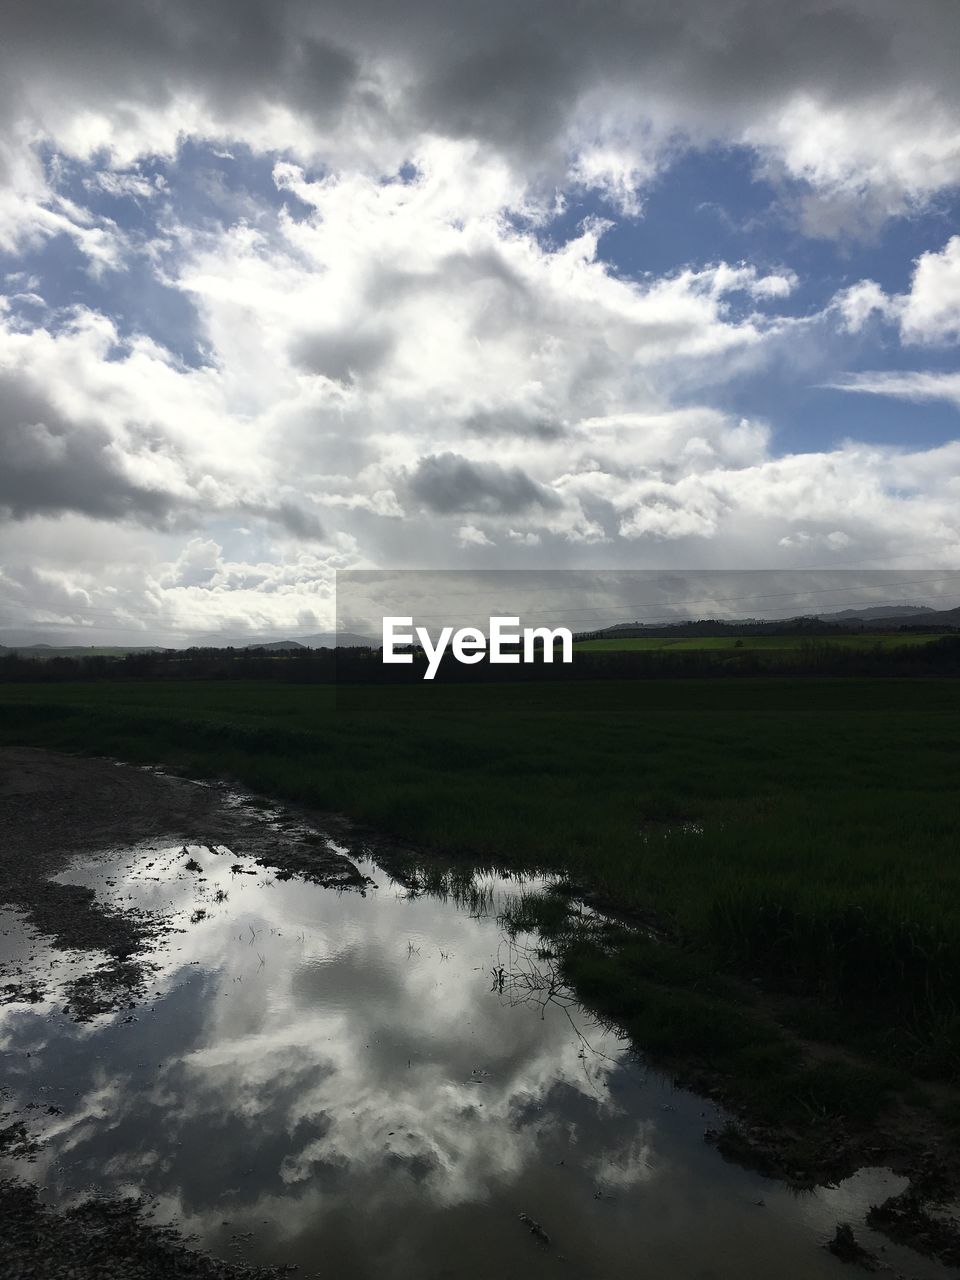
506,73
448,483
228,53
513,73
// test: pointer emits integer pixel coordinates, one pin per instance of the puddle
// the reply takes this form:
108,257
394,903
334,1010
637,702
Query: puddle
380,1086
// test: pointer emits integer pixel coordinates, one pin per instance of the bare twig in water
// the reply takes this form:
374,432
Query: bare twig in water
534,1228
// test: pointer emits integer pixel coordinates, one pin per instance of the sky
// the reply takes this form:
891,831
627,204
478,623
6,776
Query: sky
288,288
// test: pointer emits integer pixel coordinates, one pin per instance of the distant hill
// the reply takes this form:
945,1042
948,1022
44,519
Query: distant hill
278,646
59,638
891,612
905,616
320,640
930,618
341,639
848,620
879,618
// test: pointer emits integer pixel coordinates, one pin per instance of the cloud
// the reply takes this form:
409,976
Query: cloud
927,313
833,540
197,565
342,357
53,464
468,535
86,433
916,386
297,521
408,344
33,212
931,311
463,305
857,100
861,301
517,421
448,483
134,185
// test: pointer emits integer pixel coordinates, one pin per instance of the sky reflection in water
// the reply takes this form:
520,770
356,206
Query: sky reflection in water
342,1077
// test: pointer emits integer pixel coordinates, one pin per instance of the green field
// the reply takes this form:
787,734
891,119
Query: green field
750,644
802,832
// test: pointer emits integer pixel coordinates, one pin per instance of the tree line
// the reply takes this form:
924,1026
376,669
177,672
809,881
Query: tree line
938,657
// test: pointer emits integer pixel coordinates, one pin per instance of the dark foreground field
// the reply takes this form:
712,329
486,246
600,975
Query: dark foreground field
791,844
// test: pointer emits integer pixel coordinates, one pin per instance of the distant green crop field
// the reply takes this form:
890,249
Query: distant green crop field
748,644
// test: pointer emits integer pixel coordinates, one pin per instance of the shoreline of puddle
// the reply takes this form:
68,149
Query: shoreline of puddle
330,1078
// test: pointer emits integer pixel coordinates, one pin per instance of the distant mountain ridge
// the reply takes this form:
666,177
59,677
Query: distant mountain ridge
319,640
880,618
278,646
924,617
878,612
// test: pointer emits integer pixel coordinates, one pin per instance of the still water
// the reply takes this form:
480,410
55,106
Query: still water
380,1085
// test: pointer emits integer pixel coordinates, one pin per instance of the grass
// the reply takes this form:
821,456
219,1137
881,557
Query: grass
685,1014
800,832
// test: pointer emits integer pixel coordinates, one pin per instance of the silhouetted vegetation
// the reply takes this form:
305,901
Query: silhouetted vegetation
841,655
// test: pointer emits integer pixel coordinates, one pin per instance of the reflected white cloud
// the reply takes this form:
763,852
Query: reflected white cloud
340,1075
